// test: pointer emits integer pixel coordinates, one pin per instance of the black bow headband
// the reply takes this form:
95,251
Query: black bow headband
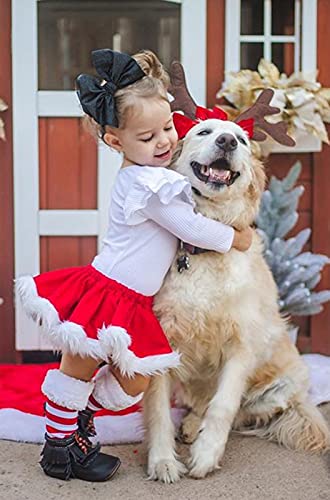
118,70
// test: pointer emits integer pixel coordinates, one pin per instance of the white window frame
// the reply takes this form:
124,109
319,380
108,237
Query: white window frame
307,9
193,48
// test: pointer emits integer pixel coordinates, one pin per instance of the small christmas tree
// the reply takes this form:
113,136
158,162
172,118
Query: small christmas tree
296,274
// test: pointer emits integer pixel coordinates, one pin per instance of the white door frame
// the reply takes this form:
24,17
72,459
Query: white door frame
28,105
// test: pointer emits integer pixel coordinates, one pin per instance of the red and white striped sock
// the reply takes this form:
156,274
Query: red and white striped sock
61,422
93,405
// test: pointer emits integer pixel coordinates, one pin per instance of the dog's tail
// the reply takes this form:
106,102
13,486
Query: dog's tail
299,427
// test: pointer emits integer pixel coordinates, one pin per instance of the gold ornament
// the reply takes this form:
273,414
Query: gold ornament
304,104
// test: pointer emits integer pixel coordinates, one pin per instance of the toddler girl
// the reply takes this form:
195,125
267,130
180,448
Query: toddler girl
103,311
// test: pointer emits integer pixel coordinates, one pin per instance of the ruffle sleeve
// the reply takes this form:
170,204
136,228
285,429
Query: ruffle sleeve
165,184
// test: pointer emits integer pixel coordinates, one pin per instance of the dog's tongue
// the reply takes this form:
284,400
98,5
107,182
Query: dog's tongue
219,175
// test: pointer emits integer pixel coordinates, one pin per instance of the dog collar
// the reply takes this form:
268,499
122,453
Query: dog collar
183,261
196,191
193,250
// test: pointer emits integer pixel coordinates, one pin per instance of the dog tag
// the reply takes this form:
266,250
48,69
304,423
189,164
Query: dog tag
182,263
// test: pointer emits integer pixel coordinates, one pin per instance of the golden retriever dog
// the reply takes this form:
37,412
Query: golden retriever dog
239,370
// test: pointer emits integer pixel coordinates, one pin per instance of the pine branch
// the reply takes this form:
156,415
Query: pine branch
296,273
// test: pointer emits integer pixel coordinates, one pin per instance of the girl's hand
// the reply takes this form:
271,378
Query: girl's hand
242,239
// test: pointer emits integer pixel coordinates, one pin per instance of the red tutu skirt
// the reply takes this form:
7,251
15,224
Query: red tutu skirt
86,313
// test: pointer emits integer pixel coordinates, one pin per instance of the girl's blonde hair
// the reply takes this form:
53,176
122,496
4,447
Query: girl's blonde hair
154,84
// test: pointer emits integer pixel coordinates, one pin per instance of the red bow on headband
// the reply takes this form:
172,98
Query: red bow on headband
184,124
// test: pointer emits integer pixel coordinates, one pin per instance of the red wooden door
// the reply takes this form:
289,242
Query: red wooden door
62,177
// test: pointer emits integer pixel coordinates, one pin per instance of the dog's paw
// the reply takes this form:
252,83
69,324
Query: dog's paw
168,470
205,457
189,428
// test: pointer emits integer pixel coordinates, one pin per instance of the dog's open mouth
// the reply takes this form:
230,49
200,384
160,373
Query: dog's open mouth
217,173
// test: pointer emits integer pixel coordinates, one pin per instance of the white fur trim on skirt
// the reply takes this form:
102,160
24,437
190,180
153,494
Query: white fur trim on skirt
112,344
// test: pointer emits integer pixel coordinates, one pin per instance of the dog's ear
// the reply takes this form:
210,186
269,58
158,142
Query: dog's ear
252,195
260,176
176,154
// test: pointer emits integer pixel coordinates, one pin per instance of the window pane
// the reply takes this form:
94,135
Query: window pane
252,17
251,53
69,30
282,17
283,57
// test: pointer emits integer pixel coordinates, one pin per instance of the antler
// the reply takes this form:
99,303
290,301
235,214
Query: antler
182,99
261,108
258,111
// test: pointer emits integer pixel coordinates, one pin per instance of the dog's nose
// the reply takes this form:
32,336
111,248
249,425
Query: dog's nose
227,142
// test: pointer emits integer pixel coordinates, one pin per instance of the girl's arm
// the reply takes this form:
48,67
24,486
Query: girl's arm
179,218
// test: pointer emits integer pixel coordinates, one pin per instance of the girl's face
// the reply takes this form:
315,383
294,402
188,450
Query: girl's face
149,136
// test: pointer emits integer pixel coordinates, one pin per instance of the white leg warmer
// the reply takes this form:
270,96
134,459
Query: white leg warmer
109,393
67,391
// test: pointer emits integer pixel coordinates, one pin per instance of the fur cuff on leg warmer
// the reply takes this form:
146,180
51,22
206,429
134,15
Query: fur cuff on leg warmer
109,393
67,391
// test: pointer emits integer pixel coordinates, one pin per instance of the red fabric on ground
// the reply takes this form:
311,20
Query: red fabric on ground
20,389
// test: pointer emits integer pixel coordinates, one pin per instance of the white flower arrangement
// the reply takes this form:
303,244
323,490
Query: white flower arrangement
3,107
304,104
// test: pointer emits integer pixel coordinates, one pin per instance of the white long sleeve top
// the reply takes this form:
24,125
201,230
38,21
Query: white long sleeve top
151,209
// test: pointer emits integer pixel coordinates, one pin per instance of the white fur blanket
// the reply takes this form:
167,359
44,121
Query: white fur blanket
27,425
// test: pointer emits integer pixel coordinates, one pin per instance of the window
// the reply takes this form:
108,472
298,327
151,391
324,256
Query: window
283,32
68,30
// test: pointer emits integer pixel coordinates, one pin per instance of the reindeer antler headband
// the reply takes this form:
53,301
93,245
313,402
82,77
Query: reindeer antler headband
252,120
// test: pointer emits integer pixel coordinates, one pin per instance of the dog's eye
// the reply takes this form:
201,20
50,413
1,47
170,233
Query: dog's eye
242,140
206,131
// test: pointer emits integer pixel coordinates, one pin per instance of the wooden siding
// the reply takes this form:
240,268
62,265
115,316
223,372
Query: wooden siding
278,165
66,251
68,180
321,187
215,58
314,207
7,334
67,165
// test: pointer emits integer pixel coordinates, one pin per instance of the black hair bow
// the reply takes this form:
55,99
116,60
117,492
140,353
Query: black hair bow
118,70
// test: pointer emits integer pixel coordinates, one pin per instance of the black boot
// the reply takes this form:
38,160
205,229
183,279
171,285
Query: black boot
86,423
76,457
